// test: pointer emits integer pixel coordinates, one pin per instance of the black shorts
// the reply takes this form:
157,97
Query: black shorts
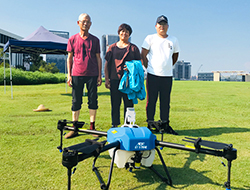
78,83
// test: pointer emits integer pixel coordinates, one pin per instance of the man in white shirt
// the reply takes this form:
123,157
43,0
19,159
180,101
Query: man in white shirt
159,53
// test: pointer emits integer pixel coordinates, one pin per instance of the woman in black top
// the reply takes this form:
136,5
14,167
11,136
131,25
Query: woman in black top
116,56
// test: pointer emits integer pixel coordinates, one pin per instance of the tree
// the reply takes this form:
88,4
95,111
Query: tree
38,64
48,67
35,60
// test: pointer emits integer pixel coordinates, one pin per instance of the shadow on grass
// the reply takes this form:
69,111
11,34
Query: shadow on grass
37,114
184,178
207,132
181,177
86,94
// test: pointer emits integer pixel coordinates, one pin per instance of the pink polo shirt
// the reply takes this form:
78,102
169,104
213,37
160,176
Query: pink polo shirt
84,52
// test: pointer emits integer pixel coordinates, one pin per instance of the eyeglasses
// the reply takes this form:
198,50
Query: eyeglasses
85,21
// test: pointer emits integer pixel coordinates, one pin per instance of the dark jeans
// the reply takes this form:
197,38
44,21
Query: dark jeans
77,92
158,86
116,97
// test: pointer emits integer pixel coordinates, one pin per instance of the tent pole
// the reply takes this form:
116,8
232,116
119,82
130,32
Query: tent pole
4,74
65,73
10,60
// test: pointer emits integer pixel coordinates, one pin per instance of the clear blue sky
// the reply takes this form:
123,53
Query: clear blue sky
214,33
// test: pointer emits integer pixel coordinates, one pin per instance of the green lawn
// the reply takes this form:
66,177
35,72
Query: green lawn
215,111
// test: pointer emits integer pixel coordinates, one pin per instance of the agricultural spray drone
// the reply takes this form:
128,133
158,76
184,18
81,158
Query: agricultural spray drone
131,147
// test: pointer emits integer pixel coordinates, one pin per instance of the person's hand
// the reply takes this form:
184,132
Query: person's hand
107,83
125,68
99,81
69,81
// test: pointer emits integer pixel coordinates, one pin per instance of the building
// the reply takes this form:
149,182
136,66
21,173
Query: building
60,60
182,70
217,76
63,34
107,40
206,76
245,77
5,36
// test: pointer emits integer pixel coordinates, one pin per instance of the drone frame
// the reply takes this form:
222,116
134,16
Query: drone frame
91,148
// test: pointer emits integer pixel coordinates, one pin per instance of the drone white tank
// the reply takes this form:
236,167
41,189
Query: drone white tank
122,157
148,158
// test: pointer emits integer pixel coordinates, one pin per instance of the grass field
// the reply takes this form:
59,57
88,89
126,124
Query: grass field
216,111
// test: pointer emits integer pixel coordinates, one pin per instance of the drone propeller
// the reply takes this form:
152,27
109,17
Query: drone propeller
88,147
210,144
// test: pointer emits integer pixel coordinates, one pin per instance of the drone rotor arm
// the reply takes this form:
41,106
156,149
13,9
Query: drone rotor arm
210,144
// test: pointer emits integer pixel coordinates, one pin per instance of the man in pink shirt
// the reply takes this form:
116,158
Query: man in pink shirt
84,67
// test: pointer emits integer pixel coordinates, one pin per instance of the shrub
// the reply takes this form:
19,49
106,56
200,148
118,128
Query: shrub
20,77
49,67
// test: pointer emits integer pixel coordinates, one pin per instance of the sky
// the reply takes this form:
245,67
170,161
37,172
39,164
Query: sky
213,35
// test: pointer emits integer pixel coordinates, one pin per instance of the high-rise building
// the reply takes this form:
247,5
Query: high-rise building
182,70
107,40
60,60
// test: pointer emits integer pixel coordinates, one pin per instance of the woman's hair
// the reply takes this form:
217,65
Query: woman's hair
125,26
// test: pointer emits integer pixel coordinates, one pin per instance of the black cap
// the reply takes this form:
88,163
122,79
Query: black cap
162,18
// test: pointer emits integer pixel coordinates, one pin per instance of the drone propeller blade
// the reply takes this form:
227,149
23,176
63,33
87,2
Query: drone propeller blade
78,146
210,144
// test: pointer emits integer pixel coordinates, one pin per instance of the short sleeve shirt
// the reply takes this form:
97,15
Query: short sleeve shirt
116,58
160,62
84,52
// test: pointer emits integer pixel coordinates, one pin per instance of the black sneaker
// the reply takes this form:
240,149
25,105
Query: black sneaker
152,126
171,131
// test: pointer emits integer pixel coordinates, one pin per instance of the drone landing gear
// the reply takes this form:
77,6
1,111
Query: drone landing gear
169,180
98,175
77,153
227,152
70,160
230,155
227,184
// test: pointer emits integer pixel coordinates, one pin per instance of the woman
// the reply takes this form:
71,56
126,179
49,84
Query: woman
116,56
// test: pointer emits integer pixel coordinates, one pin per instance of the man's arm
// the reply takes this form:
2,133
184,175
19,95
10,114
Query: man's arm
69,67
106,71
175,57
99,61
144,53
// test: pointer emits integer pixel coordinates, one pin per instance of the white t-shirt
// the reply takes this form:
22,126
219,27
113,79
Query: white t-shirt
160,62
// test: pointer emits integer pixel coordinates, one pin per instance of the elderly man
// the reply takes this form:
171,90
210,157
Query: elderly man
84,67
159,53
